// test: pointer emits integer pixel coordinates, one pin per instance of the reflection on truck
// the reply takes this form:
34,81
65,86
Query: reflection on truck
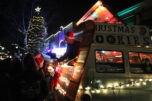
109,62
138,62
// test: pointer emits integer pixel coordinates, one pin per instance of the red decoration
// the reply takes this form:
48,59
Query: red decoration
54,80
39,61
70,34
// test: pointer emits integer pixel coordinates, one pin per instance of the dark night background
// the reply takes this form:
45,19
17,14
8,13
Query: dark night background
55,13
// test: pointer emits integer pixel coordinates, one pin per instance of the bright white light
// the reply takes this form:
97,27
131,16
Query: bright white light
137,84
101,7
147,46
101,86
99,3
150,80
98,81
3,48
59,51
16,47
92,91
116,84
144,83
61,27
118,56
65,65
51,68
88,88
109,85
37,9
80,87
103,52
105,91
127,85
107,18
87,92
97,91
122,86
140,79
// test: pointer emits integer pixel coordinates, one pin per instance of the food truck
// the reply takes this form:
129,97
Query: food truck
111,65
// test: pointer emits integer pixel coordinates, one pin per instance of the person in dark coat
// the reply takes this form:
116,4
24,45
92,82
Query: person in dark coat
31,84
5,79
72,48
147,66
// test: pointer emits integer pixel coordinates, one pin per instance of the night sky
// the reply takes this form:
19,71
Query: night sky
55,13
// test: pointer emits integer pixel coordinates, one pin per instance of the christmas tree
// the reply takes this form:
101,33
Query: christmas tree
37,32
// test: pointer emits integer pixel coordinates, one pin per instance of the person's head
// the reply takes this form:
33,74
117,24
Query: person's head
69,37
40,62
17,65
29,63
85,97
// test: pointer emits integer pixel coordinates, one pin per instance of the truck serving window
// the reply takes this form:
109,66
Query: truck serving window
109,61
140,63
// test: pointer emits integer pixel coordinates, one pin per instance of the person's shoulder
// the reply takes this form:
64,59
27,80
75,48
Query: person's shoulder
78,41
39,74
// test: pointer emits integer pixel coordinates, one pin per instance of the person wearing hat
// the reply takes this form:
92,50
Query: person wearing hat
72,48
38,58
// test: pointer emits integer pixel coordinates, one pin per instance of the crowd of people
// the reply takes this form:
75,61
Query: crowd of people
28,78
24,79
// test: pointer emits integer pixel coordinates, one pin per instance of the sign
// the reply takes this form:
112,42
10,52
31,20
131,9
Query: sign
121,34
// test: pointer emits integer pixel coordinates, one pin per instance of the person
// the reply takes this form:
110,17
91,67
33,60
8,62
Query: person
38,58
31,84
85,97
40,62
72,48
99,57
55,79
147,66
5,78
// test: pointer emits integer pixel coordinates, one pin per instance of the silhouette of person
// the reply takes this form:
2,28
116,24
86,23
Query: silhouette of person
147,66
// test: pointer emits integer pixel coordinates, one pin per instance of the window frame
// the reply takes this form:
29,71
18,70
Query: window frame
123,60
137,64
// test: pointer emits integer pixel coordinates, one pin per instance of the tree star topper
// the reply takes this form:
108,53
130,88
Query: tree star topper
37,9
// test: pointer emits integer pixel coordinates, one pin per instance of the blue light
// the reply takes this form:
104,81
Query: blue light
103,52
95,15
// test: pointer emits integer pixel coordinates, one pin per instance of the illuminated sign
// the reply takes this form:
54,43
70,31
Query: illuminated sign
121,34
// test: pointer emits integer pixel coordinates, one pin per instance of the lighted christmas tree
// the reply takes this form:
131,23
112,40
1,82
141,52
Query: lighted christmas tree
37,32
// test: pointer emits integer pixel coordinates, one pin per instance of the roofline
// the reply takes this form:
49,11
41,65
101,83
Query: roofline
63,28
